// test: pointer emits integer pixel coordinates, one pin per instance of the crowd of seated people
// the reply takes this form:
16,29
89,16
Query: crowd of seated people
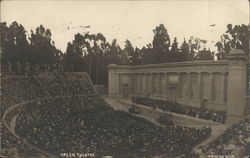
101,130
61,85
202,113
88,124
20,88
16,89
10,95
72,118
11,147
234,143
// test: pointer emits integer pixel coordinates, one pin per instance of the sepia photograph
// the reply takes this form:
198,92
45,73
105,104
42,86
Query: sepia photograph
125,79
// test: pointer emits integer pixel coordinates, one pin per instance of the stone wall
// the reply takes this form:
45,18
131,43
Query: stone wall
218,85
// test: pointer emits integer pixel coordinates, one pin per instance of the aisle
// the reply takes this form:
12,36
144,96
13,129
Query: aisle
124,107
115,104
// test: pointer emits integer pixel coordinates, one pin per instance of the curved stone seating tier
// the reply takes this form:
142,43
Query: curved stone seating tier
19,105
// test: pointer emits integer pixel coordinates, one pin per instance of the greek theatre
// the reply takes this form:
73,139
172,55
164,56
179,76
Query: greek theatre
217,85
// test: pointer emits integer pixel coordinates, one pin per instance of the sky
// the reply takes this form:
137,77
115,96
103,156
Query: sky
133,20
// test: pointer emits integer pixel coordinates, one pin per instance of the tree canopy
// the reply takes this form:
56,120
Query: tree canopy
18,48
92,53
236,36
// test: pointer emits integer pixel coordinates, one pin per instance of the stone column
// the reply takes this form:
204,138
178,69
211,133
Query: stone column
223,87
163,85
179,89
154,83
150,83
131,82
140,84
189,85
153,87
236,85
137,83
113,81
130,85
119,89
212,92
146,81
160,84
210,85
166,85
199,87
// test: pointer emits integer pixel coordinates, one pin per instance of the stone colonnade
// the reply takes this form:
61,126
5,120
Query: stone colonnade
218,85
188,88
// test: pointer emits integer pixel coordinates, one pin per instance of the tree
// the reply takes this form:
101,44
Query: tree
17,48
184,51
161,38
72,59
147,55
14,43
205,55
195,46
42,48
131,53
100,47
235,37
173,55
174,47
88,51
161,43
137,57
113,54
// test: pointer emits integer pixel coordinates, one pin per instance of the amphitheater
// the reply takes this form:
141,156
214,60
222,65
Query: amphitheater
190,109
